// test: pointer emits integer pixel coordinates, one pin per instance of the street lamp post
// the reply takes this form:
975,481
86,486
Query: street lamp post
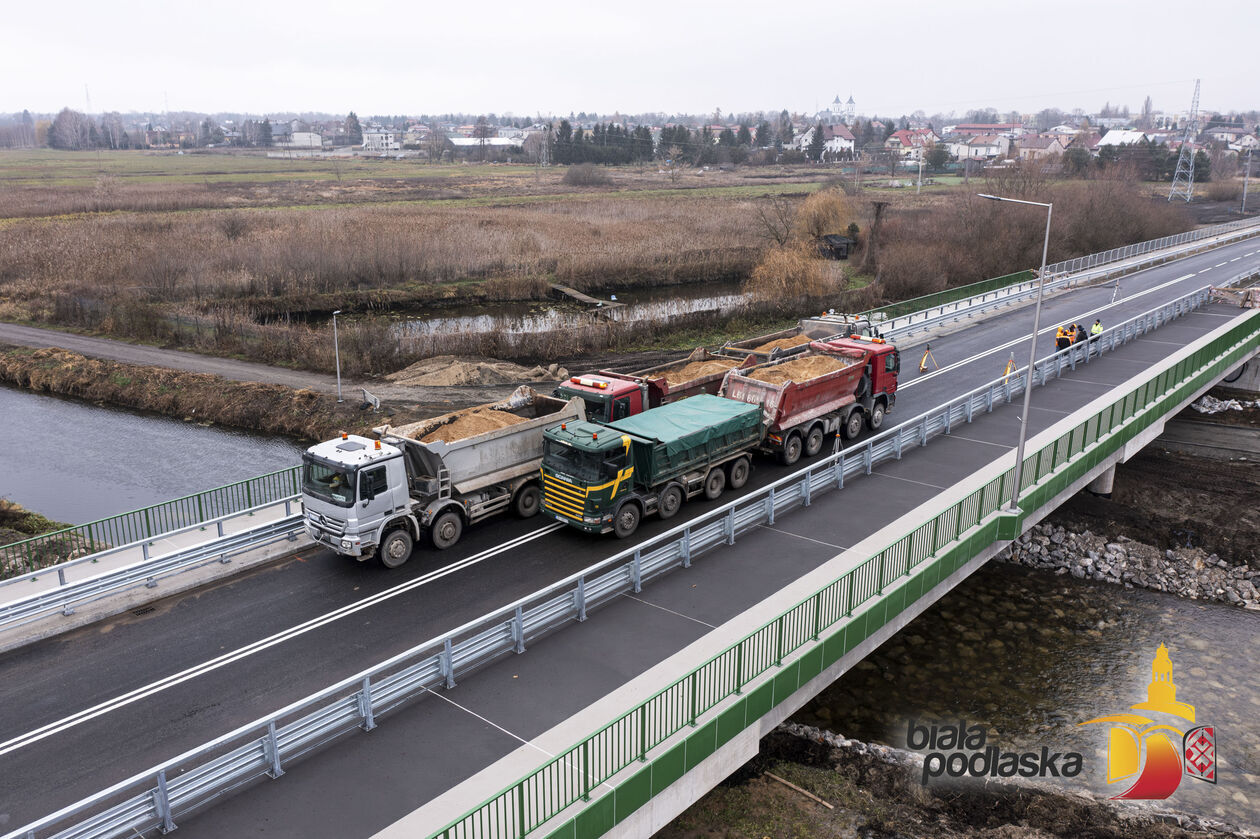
1032,347
337,353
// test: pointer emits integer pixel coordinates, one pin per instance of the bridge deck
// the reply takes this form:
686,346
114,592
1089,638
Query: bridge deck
367,782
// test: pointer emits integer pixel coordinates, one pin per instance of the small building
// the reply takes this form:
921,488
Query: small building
304,140
380,140
1033,147
835,246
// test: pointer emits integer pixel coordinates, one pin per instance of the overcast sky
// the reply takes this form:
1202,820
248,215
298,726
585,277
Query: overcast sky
560,56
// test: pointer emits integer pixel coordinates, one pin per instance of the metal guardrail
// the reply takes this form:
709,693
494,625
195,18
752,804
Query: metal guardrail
147,523
1084,263
263,747
921,313
69,595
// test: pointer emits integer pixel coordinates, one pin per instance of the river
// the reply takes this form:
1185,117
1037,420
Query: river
76,462
1032,655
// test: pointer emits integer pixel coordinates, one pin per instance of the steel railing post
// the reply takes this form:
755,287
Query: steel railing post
365,704
162,802
518,630
271,747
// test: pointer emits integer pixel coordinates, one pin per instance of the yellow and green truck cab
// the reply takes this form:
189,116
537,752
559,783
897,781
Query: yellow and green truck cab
604,477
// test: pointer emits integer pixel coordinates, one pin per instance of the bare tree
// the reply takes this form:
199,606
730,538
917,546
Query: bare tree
776,216
674,163
868,258
435,144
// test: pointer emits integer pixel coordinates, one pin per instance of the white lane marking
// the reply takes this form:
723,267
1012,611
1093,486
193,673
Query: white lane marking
136,695
985,442
1024,339
1219,264
1235,259
1145,340
489,722
1205,270
907,480
1186,277
806,538
671,611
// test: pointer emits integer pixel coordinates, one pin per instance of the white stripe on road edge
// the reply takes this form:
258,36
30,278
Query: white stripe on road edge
1045,331
258,646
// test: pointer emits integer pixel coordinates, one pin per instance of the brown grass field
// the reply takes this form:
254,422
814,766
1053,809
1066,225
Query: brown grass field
230,254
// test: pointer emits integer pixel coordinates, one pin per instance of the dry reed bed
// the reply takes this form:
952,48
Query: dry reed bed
196,260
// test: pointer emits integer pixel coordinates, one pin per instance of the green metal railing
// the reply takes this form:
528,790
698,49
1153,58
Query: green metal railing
824,626
47,549
949,295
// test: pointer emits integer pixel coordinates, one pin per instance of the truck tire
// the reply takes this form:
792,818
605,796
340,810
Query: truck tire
627,520
814,441
876,419
670,502
714,483
791,449
528,499
446,530
740,470
395,548
853,424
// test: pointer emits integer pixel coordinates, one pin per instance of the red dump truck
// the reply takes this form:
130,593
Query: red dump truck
610,396
832,385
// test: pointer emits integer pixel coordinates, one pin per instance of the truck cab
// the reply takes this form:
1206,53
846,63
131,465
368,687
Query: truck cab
350,487
585,472
883,366
607,396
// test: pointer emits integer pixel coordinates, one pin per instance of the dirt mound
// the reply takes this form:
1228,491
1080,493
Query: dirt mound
448,370
471,424
782,344
696,369
800,369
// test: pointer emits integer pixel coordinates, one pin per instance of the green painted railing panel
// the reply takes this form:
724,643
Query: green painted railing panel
48,549
903,571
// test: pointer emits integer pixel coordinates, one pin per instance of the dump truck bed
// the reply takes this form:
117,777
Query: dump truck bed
700,372
487,457
795,340
787,403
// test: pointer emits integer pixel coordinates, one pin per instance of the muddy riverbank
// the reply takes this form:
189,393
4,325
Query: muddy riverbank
875,792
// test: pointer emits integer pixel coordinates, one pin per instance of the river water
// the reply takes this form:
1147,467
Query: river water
1031,655
76,462
655,303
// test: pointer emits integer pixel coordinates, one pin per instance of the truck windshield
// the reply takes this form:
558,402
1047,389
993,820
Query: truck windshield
584,466
596,409
331,483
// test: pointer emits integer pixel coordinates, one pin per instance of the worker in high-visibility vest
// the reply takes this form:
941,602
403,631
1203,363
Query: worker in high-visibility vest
1096,329
1061,339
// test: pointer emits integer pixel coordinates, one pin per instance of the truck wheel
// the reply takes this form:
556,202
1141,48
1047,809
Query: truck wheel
670,502
395,548
876,419
791,449
627,520
740,470
714,483
527,501
853,425
446,530
814,441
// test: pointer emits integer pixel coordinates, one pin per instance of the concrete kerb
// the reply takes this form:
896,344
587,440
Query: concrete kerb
510,769
56,623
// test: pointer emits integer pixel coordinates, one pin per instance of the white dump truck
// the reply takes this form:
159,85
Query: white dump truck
365,497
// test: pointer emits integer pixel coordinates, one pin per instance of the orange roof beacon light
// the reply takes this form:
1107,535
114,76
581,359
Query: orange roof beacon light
378,445
564,426
594,435
345,436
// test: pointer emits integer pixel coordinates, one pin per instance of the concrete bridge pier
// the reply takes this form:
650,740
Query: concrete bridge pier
1103,484
1246,377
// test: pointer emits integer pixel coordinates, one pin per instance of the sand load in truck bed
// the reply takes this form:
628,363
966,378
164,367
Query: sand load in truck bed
697,369
474,422
801,369
782,344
